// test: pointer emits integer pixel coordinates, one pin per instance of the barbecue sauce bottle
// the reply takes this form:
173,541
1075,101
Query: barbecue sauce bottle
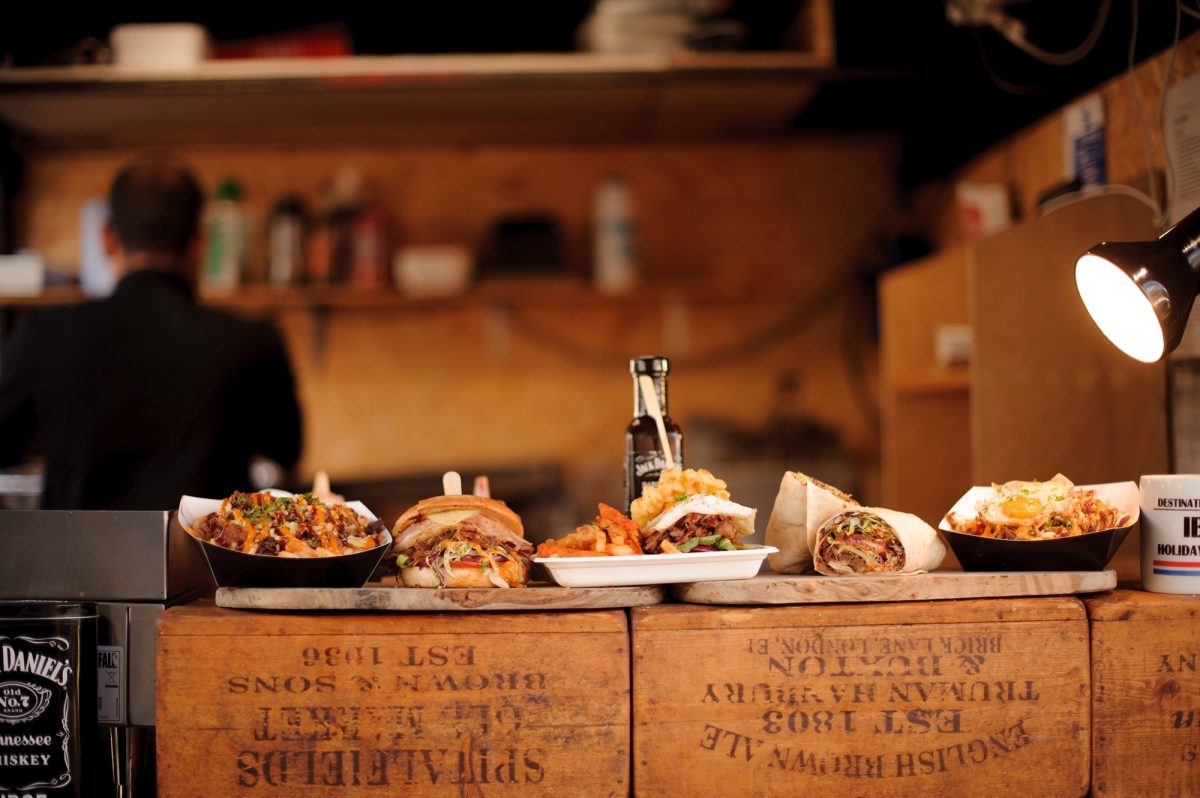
644,459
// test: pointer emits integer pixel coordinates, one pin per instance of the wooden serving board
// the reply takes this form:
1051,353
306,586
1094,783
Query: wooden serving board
818,589
384,597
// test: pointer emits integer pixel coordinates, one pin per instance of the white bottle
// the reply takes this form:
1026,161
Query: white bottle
614,252
96,276
225,253
285,243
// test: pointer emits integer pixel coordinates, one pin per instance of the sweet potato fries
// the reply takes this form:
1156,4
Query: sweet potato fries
610,534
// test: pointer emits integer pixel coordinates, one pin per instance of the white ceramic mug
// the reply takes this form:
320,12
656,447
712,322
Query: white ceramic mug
1170,515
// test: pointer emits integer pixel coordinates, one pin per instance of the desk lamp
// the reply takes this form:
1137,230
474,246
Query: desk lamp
1139,293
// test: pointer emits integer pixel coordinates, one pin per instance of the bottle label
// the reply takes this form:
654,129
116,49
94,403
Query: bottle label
110,678
35,712
645,467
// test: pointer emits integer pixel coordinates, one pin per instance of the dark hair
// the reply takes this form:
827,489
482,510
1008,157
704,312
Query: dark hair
155,206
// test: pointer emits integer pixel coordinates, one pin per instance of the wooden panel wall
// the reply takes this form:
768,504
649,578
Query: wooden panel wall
1049,391
749,233
1031,161
926,430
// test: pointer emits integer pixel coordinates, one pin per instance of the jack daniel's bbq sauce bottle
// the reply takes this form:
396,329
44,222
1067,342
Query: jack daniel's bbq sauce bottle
644,459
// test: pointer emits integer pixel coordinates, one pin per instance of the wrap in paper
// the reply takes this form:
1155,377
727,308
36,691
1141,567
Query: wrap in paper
803,504
909,544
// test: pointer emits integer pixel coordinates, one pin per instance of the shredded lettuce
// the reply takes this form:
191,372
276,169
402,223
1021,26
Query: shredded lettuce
720,541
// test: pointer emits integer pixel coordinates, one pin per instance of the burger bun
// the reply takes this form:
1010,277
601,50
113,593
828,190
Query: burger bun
496,510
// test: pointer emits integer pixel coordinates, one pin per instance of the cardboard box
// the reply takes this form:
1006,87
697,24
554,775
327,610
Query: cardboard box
456,704
1146,694
973,697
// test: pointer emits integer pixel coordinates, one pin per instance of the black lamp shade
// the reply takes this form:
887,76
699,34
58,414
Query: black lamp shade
1165,272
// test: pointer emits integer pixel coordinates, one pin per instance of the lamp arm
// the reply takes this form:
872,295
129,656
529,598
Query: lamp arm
1185,237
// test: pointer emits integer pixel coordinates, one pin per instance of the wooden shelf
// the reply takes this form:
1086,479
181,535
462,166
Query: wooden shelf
410,99
52,295
261,299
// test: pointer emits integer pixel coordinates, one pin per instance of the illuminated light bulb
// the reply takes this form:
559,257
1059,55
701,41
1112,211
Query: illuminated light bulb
1122,312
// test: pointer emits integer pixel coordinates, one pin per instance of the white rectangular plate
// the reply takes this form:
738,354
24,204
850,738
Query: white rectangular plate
655,569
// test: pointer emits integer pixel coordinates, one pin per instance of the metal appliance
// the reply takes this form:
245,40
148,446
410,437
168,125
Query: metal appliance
133,565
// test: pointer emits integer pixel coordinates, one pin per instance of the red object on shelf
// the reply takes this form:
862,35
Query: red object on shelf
369,264
320,41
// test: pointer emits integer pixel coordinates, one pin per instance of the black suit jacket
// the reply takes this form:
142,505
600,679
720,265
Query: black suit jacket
145,396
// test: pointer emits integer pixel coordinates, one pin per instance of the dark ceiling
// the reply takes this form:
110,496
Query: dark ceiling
960,89
949,91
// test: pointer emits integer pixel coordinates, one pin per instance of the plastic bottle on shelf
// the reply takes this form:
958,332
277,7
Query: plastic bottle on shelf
331,242
369,268
285,258
225,253
614,250
318,249
347,201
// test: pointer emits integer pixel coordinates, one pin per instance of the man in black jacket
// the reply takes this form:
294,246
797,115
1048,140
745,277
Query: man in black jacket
142,397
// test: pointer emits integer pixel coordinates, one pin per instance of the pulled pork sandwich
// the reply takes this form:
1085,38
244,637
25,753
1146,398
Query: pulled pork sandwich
689,511
461,541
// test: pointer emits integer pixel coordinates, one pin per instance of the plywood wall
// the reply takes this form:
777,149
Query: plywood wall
739,241
1031,162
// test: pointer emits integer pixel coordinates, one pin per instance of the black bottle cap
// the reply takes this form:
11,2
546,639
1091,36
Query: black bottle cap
288,206
649,365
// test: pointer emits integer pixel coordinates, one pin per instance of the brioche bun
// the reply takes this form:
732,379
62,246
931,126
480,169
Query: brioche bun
491,508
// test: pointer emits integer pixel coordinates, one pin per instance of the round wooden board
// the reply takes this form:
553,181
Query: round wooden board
384,597
818,589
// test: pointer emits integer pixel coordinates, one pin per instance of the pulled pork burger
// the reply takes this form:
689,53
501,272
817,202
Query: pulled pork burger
689,510
461,541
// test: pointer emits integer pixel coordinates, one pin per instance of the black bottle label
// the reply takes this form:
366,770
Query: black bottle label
36,679
644,462
648,467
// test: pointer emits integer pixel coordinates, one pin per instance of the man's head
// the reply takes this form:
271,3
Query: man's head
154,207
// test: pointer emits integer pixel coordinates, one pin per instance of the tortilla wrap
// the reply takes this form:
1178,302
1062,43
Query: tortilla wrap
803,504
920,545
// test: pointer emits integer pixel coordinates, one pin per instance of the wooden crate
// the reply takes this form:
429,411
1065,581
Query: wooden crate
398,704
1145,694
973,697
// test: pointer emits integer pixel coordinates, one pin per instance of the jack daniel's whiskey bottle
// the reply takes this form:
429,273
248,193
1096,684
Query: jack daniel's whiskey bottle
644,459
